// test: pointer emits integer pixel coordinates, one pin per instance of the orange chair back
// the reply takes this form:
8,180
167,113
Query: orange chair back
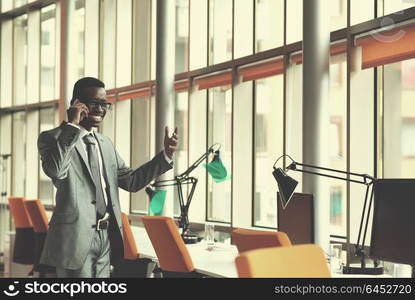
246,239
302,261
169,246
19,213
37,214
130,247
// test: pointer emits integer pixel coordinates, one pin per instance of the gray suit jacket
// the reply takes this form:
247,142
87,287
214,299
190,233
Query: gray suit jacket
72,224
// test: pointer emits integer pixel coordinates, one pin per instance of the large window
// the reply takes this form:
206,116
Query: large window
141,146
197,147
393,6
18,3
361,11
31,155
181,118
19,154
294,120
220,131
337,153
6,5
141,40
294,21
220,31
269,141
108,59
243,28
47,53
338,14
6,68
182,35
76,51
362,95
398,120
198,34
20,60
5,148
269,24
5,172
46,122
109,25
153,39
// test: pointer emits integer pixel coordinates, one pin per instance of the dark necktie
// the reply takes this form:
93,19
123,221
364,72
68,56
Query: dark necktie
94,166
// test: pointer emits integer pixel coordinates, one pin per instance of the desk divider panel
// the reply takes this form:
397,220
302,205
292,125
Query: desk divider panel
297,219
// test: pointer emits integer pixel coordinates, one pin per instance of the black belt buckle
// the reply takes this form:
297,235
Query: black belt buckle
102,224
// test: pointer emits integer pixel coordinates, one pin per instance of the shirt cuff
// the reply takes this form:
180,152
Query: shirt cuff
74,125
168,159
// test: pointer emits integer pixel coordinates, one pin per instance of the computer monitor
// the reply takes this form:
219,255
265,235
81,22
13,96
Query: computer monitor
393,236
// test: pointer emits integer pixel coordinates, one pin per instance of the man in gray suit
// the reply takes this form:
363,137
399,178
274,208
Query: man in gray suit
85,232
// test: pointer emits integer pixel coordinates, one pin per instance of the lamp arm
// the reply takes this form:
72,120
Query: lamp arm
331,176
364,176
174,182
163,183
199,160
367,179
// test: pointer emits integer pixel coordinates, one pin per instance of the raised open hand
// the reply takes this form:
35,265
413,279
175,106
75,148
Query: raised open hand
170,143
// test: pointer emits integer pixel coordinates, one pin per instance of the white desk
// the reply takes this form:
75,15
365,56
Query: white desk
219,262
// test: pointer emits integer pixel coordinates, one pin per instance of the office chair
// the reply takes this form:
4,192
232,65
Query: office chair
24,252
132,265
246,239
37,214
302,261
174,258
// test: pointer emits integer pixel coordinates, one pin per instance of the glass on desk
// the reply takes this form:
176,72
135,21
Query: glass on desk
209,235
336,265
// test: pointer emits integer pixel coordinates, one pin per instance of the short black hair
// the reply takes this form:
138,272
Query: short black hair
82,84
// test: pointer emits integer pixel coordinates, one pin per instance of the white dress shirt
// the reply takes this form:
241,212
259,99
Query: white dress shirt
84,132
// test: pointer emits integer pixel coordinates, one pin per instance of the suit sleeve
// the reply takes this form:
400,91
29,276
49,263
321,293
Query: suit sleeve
133,180
55,152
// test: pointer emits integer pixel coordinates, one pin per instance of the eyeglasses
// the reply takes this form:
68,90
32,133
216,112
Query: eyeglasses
95,103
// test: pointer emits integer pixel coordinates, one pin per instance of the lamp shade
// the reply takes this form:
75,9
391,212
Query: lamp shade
216,169
286,185
157,198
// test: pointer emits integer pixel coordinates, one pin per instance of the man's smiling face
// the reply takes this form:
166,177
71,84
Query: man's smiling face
96,112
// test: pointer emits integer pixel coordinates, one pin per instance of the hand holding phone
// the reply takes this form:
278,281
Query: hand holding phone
77,112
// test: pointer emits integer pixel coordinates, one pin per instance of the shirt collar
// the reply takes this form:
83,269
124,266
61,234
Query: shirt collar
84,132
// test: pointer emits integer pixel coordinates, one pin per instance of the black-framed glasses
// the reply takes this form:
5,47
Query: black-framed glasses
95,103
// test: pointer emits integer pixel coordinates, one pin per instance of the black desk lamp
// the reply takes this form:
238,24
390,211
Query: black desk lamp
218,172
287,185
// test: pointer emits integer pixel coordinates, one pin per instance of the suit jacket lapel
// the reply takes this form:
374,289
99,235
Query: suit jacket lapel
81,152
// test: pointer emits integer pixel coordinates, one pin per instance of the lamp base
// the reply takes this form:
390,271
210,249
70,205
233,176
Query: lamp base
369,269
189,238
